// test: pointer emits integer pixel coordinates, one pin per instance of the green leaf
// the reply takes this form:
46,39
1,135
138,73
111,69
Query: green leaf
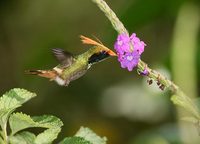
15,97
1,133
47,121
47,136
1,140
74,140
22,138
4,114
20,121
11,100
90,136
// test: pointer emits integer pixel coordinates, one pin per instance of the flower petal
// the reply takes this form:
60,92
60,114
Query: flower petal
127,56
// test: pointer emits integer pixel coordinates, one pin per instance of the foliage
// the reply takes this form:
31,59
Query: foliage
20,122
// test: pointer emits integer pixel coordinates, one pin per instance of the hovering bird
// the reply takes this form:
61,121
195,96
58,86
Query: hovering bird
73,67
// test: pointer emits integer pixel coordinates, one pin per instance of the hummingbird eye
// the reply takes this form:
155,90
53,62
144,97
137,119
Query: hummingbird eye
97,57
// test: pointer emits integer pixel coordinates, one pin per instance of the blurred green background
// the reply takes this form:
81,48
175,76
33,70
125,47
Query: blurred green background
112,101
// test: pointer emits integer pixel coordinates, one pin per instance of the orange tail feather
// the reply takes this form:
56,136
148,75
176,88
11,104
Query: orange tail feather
43,73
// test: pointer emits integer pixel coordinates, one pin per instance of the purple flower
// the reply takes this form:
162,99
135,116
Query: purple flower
122,43
138,45
129,50
145,72
129,60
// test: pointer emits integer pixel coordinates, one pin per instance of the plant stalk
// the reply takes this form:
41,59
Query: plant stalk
179,97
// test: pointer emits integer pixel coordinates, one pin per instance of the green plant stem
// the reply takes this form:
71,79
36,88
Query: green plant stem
117,24
180,97
1,135
4,134
156,76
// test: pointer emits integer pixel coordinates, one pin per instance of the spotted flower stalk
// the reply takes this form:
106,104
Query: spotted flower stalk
129,50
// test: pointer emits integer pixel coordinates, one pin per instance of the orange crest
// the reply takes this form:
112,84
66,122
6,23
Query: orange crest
89,41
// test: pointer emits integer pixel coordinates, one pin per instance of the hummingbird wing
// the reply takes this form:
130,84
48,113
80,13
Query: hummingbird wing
65,58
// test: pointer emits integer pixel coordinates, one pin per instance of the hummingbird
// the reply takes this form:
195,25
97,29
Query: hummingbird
72,67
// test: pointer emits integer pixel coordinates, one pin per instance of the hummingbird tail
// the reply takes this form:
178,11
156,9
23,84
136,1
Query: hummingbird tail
51,74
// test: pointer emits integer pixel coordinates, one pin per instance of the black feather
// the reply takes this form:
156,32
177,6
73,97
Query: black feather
97,57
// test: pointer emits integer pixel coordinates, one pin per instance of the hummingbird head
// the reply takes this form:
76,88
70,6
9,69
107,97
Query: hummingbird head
99,56
101,52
